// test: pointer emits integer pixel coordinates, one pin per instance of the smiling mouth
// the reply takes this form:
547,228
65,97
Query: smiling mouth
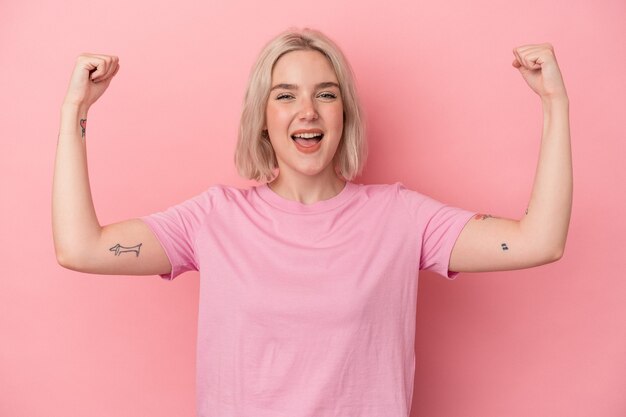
308,141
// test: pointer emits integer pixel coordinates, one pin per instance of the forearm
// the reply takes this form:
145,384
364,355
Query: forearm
548,215
73,215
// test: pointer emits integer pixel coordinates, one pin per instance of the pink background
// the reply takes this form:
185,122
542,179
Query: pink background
448,115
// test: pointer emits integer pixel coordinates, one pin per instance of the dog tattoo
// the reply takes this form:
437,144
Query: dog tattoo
120,249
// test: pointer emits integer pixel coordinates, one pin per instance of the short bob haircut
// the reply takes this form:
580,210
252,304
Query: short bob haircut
254,155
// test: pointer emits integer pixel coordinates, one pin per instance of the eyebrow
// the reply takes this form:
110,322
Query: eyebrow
295,87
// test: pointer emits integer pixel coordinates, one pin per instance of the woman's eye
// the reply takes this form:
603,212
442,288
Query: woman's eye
324,95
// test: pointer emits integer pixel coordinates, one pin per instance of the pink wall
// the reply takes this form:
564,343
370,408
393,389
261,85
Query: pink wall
448,115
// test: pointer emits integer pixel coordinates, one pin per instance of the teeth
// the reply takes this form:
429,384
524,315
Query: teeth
307,135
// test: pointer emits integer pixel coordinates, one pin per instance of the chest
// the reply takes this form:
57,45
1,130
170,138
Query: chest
307,271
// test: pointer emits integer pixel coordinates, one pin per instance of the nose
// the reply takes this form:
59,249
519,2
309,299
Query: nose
308,110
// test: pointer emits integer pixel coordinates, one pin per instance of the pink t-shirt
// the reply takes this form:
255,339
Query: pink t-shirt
307,310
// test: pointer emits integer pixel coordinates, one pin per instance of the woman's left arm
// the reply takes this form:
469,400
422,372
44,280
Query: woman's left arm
490,243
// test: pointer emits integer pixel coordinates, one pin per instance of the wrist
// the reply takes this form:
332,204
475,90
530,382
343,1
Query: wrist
74,109
72,116
558,99
554,106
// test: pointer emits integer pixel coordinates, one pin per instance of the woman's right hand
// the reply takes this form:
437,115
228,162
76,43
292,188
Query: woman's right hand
91,77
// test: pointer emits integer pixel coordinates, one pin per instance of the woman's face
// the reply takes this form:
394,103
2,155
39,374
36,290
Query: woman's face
305,98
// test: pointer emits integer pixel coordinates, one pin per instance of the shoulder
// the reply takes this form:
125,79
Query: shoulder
414,201
222,194
381,189
395,191
393,195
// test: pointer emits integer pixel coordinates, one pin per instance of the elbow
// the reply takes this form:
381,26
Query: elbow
62,254
65,261
547,255
556,254
62,260
551,250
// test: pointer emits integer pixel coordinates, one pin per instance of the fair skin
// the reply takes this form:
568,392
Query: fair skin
80,242
303,97
487,243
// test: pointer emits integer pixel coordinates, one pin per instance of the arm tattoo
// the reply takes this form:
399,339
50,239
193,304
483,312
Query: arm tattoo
83,125
120,249
489,216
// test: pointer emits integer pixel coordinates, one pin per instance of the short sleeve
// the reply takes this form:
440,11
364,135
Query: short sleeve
439,225
176,229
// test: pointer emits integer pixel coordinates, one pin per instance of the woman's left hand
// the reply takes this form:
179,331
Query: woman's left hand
538,66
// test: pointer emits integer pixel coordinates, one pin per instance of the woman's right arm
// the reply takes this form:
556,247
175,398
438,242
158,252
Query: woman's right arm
81,244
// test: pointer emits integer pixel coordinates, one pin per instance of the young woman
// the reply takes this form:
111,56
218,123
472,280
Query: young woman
308,281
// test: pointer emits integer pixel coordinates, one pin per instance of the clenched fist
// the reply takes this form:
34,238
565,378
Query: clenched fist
537,65
91,77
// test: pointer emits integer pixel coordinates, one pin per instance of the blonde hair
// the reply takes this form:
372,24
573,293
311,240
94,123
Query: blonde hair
254,155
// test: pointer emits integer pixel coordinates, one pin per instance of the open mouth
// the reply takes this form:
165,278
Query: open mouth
307,140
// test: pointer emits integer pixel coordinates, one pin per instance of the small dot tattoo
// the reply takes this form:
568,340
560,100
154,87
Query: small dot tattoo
505,247
83,125
482,216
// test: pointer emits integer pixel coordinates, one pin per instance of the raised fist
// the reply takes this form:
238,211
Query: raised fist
91,77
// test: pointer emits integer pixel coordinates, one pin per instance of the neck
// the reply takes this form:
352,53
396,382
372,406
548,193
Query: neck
308,189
